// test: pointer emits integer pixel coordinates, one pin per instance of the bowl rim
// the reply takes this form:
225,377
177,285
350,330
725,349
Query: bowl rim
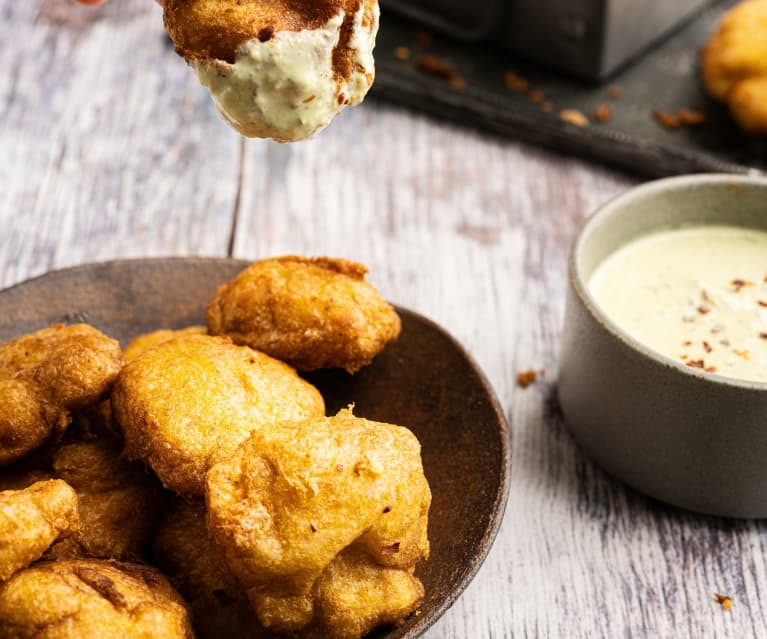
602,215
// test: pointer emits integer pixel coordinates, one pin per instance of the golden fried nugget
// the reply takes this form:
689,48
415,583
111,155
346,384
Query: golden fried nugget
31,520
278,68
120,502
732,61
183,550
44,376
75,599
748,104
143,343
290,499
311,313
352,596
188,403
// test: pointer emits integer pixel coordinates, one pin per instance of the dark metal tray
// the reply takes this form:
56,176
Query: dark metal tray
665,78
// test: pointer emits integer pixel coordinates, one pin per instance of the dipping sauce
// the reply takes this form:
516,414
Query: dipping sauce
697,294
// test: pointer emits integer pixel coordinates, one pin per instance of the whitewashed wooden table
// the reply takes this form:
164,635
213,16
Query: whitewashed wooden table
109,148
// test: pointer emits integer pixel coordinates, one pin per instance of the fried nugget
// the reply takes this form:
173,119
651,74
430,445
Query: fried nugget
183,550
734,64
352,596
31,520
311,313
278,69
143,343
188,403
292,498
91,598
748,104
46,375
120,502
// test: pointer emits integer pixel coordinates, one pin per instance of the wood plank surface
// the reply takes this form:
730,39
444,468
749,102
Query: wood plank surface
109,148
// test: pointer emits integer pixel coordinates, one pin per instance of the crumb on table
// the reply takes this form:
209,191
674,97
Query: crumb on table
723,600
525,378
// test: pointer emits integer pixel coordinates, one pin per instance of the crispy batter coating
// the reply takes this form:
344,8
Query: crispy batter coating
96,599
119,502
352,596
311,313
44,376
31,520
143,343
292,498
183,550
734,64
188,403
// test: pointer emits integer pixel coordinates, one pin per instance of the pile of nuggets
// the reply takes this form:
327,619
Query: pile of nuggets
192,484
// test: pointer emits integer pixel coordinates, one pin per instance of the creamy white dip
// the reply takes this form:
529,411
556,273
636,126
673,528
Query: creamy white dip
698,295
285,88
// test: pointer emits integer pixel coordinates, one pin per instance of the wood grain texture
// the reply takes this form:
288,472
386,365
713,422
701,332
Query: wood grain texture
109,148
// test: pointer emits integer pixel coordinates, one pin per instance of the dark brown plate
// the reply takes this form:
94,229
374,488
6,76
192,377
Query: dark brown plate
425,381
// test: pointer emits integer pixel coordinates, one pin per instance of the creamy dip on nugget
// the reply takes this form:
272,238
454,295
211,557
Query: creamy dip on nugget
278,69
698,295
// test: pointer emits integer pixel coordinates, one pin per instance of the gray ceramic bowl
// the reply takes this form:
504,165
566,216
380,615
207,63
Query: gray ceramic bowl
689,438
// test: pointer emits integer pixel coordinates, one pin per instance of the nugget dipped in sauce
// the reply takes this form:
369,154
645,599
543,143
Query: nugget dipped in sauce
187,404
278,69
323,522
44,377
309,312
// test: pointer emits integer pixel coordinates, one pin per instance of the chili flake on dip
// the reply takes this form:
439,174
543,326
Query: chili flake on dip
696,294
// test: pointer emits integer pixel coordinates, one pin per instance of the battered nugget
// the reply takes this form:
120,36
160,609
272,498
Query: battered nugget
120,502
94,599
292,498
188,403
183,550
143,343
278,69
31,520
734,65
352,596
44,376
312,313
